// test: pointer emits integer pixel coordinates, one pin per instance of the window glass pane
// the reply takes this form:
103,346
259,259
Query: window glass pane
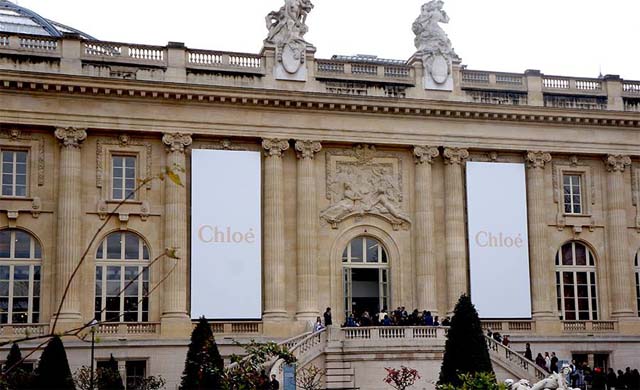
20,304
36,289
37,250
132,246
7,190
4,272
372,250
130,162
20,289
100,252
21,157
117,162
344,256
5,244
356,250
145,251
7,156
7,179
4,288
22,245
21,272
36,273
567,254
113,246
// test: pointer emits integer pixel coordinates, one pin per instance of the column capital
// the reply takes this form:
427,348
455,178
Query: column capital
306,148
455,155
537,159
275,146
617,162
177,142
70,137
425,154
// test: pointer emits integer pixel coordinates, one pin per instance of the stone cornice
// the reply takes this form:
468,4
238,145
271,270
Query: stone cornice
84,86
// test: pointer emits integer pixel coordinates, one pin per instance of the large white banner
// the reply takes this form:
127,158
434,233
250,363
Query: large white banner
498,240
226,251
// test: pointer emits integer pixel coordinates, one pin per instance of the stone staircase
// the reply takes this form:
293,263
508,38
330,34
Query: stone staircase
516,365
339,375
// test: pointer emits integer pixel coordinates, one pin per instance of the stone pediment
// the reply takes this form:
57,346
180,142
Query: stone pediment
362,181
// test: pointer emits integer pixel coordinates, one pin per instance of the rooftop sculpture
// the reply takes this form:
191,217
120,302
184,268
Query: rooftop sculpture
434,46
287,28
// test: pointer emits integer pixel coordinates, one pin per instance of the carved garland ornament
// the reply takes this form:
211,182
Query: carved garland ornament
361,182
15,135
123,141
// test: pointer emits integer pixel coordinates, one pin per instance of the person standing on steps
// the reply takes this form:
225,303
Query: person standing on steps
327,317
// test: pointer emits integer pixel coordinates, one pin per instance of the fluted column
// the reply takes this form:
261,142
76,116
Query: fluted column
69,216
274,264
174,304
621,269
541,265
425,258
307,231
456,252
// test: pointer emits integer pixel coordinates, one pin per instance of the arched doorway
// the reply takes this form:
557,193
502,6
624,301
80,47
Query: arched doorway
365,275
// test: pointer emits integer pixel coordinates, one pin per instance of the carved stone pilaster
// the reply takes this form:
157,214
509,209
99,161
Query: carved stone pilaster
307,231
425,154
542,291
307,149
69,223
177,142
455,156
621,269
537,160
456,254
275,146
274,245
617,163
70,137
425,259
174,310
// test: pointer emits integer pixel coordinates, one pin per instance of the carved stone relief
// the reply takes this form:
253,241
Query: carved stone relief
361,182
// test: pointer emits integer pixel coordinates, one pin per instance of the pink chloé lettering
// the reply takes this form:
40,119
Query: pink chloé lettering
215,234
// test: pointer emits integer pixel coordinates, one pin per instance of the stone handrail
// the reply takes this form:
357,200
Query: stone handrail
304,350
288,343
510,326
363,71
244,327
516,363
30,45
551,83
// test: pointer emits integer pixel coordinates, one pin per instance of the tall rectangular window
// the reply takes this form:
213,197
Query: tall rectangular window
123,177
14,172
572,185
136,372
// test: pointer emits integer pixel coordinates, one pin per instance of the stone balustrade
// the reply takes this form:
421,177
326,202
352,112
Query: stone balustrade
339,75
253,327
590,326
128,329
509,327
393,332
23,330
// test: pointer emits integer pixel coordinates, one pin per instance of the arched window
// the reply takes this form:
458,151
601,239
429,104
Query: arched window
576,284
122,281
20,264
365,276
636,265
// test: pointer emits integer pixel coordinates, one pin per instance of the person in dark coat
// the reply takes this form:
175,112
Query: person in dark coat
540,361
527,352
327,317
612,379
598,380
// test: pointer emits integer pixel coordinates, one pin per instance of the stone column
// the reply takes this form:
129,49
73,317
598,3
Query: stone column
69,235
619,260
456,250
541,264
174,303
273,220
307,231
425,258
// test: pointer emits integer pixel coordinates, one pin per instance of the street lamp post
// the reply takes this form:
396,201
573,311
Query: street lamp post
93,325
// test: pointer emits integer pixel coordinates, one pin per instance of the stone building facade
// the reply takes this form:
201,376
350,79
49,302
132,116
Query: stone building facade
83,121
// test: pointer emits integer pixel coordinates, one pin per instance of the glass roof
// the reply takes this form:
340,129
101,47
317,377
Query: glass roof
19,20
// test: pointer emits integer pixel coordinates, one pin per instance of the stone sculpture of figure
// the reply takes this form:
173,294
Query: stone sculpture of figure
289,22
344,207
555,380
430,37
522,384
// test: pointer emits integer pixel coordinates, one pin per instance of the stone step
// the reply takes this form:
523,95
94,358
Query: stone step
339,378
340,371
336,364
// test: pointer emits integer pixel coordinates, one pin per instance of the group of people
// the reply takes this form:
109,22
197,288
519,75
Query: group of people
398,317
264,383
584,377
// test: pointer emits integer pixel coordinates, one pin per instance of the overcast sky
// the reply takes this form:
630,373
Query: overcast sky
558,37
